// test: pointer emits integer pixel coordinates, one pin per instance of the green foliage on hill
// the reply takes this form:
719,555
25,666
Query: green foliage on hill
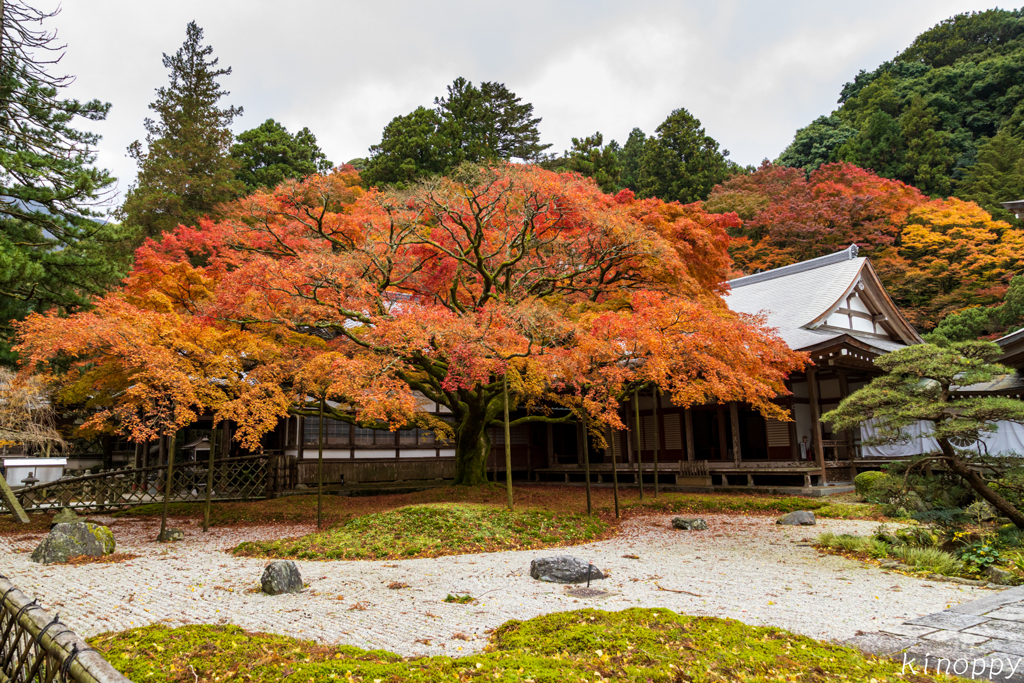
942,115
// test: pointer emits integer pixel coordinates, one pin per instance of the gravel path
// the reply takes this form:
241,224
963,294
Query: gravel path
746,568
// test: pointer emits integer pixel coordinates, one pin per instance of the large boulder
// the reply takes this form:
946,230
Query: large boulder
71,540
687,524
798,518
281,576
563,569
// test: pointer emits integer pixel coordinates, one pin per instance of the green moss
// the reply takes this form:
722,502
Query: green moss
757,504
432,531
104,535
633,645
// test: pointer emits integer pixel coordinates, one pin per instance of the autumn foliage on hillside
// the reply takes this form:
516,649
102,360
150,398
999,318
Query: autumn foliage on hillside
384,303
935,256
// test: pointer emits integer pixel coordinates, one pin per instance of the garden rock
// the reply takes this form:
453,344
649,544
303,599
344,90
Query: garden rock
171,536
563,569
687,524
64,516
281,576
72,540
798,518
999,576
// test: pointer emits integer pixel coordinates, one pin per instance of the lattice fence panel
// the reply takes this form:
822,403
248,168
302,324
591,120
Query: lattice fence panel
243,478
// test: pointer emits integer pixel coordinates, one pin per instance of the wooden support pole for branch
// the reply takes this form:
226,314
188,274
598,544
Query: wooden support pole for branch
656,396
508,446
209,477
320,467
639,443
11,502
167,486
586,462
615,472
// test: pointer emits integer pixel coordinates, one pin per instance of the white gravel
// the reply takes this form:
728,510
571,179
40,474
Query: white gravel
746,568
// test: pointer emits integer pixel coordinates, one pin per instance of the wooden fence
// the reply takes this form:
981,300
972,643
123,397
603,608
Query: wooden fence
250,477
35,648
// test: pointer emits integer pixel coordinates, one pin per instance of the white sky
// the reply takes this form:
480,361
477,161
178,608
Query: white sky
753,71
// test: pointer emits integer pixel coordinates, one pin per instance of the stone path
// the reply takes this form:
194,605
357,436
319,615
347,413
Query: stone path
982,639
745,568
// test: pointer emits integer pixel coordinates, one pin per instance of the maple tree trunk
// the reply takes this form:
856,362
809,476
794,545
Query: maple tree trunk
980,486
472,448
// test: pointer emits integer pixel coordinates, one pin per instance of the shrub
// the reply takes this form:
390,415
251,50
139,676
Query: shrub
932,559
869,483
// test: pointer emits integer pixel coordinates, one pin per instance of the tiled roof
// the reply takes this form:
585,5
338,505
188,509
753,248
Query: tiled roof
1011,338
793,296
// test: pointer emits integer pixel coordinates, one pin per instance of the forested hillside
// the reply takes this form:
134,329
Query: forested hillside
946,115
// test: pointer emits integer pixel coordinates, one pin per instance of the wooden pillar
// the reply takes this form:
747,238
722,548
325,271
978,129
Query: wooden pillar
580,436
723,444
844,391
688,425
551,445
629,442
794,439
225,447
734,419
812,391
301,443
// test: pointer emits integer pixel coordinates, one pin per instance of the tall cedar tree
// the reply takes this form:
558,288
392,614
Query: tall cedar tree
55,250
187,168
384,301
470,124
268,154
920,386
682,162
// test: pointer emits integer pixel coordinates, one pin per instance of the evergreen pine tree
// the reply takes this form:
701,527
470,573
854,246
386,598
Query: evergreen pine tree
269,153
187,168
55,249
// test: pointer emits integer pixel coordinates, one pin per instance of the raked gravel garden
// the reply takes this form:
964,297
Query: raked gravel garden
743,567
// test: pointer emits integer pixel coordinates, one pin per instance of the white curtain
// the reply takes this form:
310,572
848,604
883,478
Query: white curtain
1008,440
919,442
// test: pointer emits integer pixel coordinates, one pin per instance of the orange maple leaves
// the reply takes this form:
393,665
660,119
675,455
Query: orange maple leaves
380,301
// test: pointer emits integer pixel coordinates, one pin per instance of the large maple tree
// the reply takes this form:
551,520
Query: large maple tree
385,302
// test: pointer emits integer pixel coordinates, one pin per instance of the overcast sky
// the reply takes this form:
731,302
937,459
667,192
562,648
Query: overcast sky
753,71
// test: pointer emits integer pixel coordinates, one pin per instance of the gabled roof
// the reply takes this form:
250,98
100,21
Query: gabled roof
1013,349
1016,207
799,300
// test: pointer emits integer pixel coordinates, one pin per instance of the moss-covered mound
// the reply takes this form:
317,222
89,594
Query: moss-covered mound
632,645
433,531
